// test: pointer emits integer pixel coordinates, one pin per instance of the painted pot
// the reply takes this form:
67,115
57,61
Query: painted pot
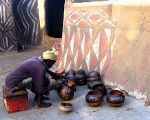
66,93
115,98
94,98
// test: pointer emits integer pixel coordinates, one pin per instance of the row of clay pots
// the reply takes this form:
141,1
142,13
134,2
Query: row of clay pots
114,98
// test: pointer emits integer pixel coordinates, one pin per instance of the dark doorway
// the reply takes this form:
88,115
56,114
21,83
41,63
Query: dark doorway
54,10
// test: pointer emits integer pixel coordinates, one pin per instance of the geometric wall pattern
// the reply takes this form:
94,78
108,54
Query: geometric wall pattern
26,20
7,35
19,21
88,41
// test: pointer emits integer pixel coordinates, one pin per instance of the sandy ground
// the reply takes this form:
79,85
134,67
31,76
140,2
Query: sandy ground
131,110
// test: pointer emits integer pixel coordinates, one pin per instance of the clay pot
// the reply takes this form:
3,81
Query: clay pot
97,86
115,98
71,72
81,72
71,77
66,93
65,107
81,80
93,74
94,98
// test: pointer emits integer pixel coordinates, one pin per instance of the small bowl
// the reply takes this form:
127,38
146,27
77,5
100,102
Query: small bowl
94,98
115,98
65,107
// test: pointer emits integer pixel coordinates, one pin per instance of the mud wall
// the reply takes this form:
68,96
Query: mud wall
111,37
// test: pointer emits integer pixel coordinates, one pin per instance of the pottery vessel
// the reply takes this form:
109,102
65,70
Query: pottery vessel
81,80
66,93
65,107
80,72
92,74
94,98
71,72
99,86
115,98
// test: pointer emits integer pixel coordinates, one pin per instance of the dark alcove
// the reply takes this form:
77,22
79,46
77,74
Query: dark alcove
54,14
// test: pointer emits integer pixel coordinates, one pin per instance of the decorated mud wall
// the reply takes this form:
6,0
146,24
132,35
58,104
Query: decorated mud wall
19,21
111,37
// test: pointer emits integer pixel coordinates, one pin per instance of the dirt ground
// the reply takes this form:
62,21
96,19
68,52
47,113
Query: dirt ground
131,110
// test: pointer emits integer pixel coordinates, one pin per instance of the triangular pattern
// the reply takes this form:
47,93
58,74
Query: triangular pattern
90,48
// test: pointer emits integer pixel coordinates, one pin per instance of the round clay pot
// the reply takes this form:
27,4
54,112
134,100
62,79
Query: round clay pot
81,72
71,72
94,98
92,74
66,93
71,77
65,107
115,98
81,80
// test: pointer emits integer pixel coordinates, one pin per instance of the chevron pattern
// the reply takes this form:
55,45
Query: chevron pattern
26,20
88,41
7,35
19,21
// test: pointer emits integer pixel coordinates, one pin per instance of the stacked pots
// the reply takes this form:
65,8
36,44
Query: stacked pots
70,76
81,79
69,87
94,82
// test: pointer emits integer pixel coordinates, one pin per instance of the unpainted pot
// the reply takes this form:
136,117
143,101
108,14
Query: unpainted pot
115,98
66,93
65,107
94,98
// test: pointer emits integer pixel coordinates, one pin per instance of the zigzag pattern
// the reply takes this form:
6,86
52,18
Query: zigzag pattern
26,20
88,41
19,21
7,35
